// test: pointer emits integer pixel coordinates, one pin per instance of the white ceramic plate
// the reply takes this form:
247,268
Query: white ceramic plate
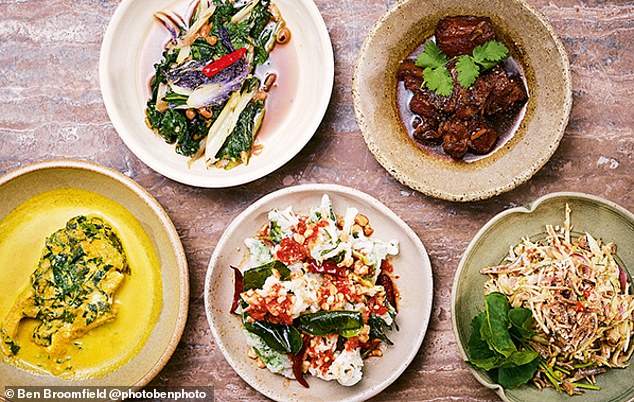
134,42
414,282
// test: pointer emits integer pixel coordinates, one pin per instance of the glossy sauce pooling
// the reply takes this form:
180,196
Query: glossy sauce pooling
506,125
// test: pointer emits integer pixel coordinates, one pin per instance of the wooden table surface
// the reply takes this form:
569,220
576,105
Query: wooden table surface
51,107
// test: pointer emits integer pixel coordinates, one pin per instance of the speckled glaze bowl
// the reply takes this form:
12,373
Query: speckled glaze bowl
414,282
26,182
601,218
547,69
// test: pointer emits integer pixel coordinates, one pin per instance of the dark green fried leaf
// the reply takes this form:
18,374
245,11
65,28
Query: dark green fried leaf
254,278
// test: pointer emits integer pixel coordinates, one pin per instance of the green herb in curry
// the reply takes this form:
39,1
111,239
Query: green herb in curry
72,290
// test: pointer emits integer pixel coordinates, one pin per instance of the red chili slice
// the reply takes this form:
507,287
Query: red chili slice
225,61
327,267
385,281
238,287
297,363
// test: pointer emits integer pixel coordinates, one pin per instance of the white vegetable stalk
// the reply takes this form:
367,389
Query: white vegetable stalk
244,13
225,123
201,20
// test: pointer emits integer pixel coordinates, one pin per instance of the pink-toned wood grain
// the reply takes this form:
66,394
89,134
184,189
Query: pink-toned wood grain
51,107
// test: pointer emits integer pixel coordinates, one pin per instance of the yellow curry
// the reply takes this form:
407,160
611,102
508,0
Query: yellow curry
89,302
72,290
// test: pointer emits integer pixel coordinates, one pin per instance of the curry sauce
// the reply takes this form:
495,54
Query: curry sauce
87,303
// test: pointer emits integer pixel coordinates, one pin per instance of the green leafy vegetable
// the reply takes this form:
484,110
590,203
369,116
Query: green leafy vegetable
510,377
438,80
342,322
279,337
497,334
378,327
237,147
431,56
436,76
468,71
489,54
495,328
522,322
254,278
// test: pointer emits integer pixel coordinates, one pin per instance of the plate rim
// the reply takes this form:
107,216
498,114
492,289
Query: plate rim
471,196
182,175
527,209
325,188
155,206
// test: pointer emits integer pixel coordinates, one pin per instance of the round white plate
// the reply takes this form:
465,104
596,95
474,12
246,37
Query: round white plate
134,42
414,281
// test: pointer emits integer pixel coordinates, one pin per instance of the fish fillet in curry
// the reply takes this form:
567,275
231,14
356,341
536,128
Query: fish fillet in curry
72,289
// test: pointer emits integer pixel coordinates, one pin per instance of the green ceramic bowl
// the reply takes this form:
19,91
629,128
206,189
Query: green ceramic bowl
602,218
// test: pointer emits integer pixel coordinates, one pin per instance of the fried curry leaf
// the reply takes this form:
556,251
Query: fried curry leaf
279,337
341,322
254,278
378,327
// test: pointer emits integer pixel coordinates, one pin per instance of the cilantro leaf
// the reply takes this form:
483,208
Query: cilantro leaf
438,80
431,56
468,71
490,54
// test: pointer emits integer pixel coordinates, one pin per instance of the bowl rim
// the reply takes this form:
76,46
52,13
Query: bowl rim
182,175
166,222
524,209
325,188
514,182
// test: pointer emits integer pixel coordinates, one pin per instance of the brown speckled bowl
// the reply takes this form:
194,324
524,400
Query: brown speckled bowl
543,58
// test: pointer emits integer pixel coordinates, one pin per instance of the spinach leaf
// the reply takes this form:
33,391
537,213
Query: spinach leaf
345,323
188,141
237,147
520,358
279,337
495,329
522,322
510,377
204,51
491,346
254,278
480,355
171,125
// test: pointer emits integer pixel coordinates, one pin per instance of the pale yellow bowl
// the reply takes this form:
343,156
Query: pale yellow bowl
24,183
543,58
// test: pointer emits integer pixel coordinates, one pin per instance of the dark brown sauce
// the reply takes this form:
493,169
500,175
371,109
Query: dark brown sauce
505,125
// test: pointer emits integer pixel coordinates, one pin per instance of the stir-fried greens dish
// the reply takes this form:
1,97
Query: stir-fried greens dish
316,295
72,290
574,311
205,96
